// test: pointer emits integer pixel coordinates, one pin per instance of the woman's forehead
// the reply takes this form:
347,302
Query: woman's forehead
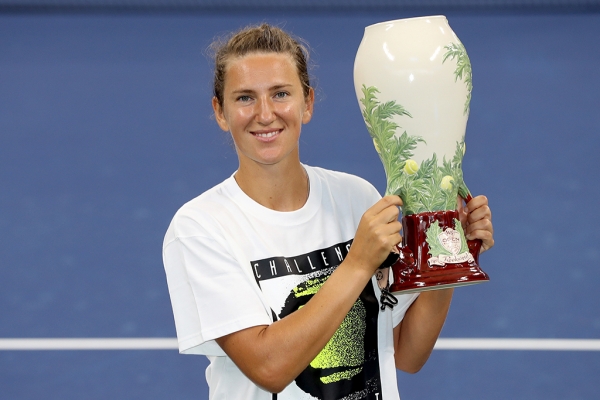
255,66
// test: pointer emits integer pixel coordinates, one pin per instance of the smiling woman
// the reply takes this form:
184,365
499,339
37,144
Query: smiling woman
264,107
272,272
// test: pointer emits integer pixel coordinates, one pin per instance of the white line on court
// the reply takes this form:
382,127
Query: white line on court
518,344
88,344
171,344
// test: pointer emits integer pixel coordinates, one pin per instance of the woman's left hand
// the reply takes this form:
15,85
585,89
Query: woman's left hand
476,219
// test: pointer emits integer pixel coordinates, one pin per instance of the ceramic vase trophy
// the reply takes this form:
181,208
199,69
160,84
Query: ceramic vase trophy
413,81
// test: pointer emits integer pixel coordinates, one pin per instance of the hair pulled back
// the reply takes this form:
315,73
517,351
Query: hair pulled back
263,38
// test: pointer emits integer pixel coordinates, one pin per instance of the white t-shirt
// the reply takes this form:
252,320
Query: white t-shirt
232,264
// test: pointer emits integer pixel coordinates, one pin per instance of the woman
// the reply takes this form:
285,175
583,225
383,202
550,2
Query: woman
271,272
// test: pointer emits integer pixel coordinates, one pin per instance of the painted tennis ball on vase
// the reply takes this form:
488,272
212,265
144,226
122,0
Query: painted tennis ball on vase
447,182
411,167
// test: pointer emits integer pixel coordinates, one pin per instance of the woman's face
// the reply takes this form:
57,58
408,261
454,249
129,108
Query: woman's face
263,107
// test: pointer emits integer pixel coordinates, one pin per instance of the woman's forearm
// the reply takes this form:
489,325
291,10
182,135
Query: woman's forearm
416,335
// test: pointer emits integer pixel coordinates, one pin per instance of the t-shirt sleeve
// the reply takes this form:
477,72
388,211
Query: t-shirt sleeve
404,302
211,294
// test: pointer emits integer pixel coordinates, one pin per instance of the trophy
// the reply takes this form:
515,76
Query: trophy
413,82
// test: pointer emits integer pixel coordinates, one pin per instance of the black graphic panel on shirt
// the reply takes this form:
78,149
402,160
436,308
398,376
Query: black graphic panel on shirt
348,366
277,267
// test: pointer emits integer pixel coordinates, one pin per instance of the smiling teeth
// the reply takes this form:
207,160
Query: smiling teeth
266,135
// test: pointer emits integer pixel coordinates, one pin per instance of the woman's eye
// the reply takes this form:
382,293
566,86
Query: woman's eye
281,95
244,98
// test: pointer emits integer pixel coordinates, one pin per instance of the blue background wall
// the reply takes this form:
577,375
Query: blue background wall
105,130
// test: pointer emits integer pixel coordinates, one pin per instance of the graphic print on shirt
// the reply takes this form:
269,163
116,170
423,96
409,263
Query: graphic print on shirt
348,366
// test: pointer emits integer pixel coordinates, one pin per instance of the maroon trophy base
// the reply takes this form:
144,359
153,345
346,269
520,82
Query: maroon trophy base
417,270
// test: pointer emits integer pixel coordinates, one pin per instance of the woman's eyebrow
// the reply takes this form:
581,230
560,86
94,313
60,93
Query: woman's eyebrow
242,90
251,91
281,86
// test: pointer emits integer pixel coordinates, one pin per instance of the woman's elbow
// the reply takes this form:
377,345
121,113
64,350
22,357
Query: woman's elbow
409,367
272,387
270,379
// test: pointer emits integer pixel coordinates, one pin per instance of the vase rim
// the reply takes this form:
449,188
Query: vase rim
439,16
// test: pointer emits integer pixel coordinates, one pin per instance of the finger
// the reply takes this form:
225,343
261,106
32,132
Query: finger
486,237
475,229
387,234
391,229
476,202
479,214
397,200
390,234
389,214
383,203
384,216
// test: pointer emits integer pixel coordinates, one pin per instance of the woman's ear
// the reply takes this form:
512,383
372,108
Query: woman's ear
309,106
219,115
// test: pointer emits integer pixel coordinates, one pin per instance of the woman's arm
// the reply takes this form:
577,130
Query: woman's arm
273,355
416,335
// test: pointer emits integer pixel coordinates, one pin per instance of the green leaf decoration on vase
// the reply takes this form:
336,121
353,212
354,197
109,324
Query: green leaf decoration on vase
426,187
463,68
435,246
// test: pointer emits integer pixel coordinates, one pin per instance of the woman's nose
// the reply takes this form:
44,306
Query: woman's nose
265,113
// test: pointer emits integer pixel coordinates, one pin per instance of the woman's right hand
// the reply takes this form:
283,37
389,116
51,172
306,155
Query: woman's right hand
377,234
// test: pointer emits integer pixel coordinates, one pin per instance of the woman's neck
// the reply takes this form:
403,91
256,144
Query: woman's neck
278,187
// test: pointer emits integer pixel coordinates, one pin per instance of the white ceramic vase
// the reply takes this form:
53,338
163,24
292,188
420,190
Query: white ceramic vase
413,81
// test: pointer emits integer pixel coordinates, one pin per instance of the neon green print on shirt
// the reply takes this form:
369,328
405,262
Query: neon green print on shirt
309,287
346,347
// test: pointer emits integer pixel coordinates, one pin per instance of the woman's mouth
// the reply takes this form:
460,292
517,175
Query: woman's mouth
266,135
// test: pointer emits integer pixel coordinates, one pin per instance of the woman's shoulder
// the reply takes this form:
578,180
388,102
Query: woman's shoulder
198,215
212,197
